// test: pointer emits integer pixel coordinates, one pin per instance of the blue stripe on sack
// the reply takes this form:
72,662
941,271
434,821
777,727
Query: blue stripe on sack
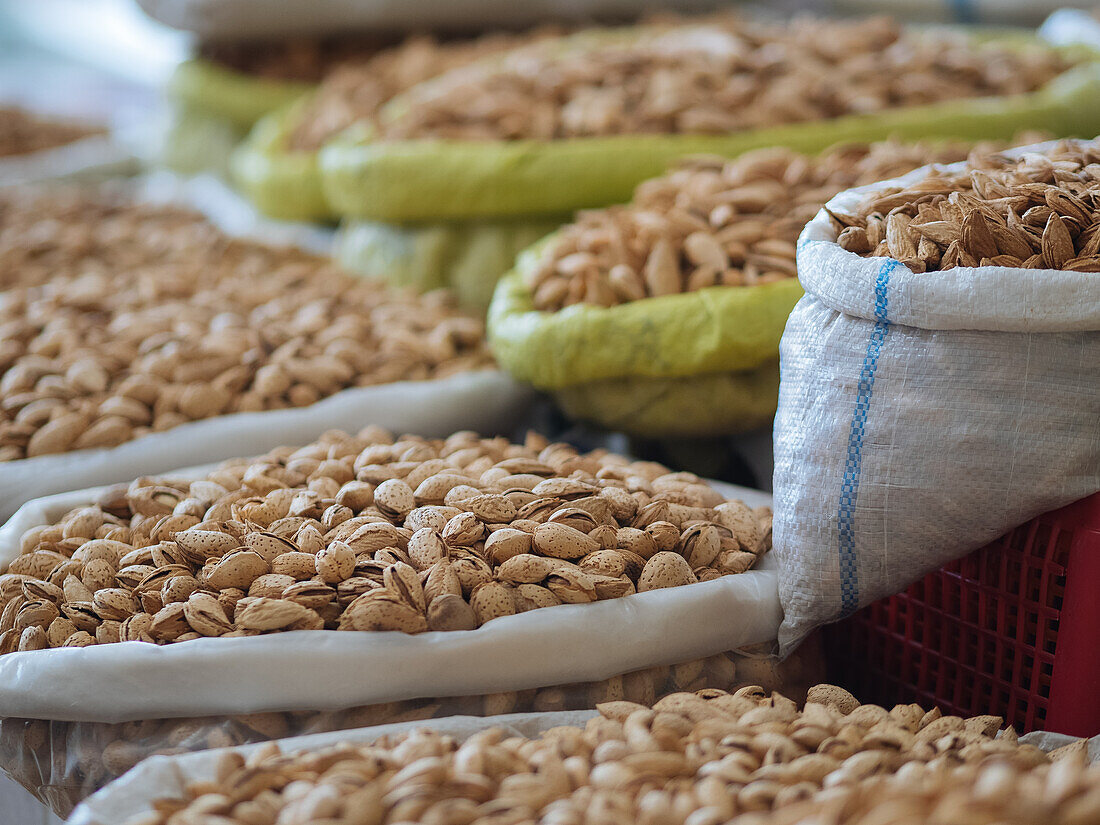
849,490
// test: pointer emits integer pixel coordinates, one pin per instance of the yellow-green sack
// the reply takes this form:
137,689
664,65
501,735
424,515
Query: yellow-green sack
280,183
696,406
422,180
236,97
467,258
697,363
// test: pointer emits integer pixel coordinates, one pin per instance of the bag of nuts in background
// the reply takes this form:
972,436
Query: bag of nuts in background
138,338
261,563
465,258
953,318
579,122
277,166
36,146
662,318
749,758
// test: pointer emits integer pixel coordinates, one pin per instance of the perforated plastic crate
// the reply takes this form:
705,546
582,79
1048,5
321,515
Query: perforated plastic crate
1012,629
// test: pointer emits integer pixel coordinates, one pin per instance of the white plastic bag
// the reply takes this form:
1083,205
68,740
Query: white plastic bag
487,401
90,158
1068,27
567,643
64,737
921,416
168,776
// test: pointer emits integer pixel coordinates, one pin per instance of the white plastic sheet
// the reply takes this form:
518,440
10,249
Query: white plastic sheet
921,416
89,158
167,776
550,646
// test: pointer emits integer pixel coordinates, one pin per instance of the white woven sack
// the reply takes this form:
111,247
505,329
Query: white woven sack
921,416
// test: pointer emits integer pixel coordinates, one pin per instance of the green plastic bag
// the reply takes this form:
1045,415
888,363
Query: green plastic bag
236,97
697,363
280,183
420,180
212,110
716,404
467,258
191,141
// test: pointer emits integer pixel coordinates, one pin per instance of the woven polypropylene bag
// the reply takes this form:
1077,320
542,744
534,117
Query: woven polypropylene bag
921,416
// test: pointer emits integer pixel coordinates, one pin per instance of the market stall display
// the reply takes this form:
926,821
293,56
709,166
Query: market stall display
277,165
445,575
578,122
934,399
663,317
747,758
127,324
290,536
36,147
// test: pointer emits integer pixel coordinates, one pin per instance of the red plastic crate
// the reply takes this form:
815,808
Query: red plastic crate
1012,629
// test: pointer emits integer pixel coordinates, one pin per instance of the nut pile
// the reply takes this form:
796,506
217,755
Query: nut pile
368,533
75,759
22,132
715,222
715,78
122,320
1038,211
357,89
707,757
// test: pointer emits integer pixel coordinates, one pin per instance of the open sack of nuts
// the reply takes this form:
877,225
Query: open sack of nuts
746,758
219,597
137,338
37,147
278,164
663,317
939,378
579,121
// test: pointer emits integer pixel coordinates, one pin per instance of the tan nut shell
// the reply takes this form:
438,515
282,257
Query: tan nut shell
665,570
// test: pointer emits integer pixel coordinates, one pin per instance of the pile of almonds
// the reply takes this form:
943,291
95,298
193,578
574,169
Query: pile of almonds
716,77
22,132
698,758
1035,211
120,320
369,533
75,759
357,89
716,222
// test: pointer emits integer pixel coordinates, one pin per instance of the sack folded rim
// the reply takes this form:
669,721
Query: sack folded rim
979,298
713,330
